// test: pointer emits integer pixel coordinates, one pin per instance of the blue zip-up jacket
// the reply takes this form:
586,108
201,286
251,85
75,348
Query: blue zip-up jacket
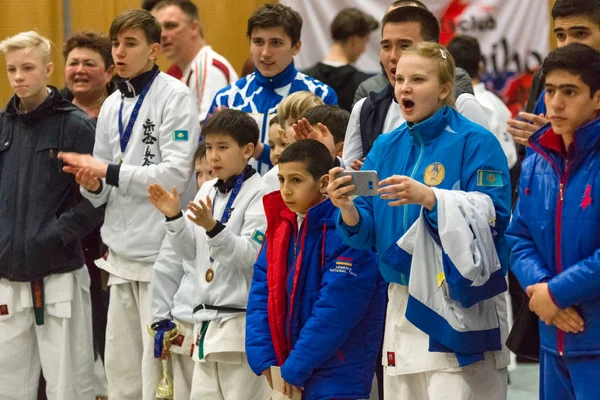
322,318
452,153
555,232
259,96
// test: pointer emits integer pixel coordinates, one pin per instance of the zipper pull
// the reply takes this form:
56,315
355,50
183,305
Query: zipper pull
560,189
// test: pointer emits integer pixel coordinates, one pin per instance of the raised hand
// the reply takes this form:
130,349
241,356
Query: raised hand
522,130
357,164
202,214
165,202
304,130
339,196
404,190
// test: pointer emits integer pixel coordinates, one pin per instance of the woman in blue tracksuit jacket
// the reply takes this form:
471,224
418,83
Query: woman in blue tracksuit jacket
436,147
554,234
316,306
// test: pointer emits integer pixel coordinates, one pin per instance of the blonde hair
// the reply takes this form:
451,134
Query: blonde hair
445,65
27,40
295,105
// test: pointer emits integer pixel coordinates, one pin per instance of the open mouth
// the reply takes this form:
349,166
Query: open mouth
407,105
81,80
393,71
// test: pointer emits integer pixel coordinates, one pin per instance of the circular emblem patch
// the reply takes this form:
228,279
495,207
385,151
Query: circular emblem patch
210,275
434,174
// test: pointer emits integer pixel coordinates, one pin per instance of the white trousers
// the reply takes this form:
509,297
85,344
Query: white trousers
228,381
62,347
482,380
132,371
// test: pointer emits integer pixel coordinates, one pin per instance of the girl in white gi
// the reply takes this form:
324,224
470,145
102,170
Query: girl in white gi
221,236
442,338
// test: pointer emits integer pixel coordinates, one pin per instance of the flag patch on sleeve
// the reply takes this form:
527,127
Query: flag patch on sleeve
180,135
3,309
489,178
258,236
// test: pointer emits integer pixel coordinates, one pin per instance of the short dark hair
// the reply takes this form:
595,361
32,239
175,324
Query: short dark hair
136,19
467,53
235,123
578,59
273,121
200,152
188,8
352,22
98,42
430,28
276,15
413,3
312,153
333,117
569,8
148,5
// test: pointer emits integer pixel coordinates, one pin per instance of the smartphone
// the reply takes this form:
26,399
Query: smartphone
366,182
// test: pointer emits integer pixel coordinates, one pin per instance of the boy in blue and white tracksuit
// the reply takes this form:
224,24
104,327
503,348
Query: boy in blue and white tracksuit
274,33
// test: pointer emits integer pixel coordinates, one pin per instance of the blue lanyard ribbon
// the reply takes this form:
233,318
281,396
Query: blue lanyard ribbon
160,328
125,135
234,192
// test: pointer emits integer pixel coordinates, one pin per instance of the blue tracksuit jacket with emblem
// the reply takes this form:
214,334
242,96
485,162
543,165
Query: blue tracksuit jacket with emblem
452,153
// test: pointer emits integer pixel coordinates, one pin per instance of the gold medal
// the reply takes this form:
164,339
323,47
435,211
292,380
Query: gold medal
434,174
210,275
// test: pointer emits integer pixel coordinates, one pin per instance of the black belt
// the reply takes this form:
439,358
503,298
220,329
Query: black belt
218,308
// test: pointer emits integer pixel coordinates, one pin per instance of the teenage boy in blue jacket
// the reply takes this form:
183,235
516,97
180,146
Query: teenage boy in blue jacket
316,306
554,232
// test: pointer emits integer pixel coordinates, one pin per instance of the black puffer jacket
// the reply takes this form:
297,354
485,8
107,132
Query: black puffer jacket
41,217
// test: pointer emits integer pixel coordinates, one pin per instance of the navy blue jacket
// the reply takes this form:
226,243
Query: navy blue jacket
42,218
325,329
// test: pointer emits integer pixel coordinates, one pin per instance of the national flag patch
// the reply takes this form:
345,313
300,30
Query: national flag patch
489,178
343,265
180,135
258,236
3,309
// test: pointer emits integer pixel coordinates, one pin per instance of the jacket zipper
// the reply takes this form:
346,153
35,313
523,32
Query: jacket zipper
562,178
413,172
558,240
297,238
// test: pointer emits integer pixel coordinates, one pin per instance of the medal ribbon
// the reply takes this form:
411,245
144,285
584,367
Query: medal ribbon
126,134
160,328
234,192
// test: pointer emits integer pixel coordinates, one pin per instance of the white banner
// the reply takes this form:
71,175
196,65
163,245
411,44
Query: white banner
514,34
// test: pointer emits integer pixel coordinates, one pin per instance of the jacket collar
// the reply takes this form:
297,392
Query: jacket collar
53,101
275,209
225,186
433,126
132,87
586,139
284,78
